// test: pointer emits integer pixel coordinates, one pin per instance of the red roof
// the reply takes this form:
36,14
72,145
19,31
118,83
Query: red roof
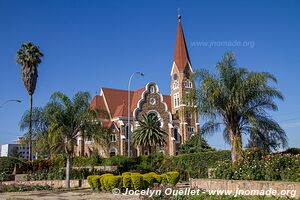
181,56
115,101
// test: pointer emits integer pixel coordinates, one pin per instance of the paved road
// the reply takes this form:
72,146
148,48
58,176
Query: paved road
64,195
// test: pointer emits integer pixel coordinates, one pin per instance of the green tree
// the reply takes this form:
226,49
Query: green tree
65,117
149,133
40,127
195,144
237,100
29,57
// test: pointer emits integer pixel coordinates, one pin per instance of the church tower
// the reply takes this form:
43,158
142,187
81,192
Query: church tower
185,121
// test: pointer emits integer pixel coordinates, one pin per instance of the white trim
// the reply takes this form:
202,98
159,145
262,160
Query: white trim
139,103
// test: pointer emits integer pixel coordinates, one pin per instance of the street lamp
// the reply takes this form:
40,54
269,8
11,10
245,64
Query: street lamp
128,124
10,100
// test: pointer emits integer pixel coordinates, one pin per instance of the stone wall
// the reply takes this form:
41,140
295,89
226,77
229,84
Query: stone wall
52,183
234,185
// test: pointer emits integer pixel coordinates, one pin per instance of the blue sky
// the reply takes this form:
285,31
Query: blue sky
93,44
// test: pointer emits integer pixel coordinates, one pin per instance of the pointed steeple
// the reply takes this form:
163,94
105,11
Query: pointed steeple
181,56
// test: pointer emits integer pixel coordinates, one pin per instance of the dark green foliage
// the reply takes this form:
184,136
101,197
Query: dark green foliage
149,133
22,188
257,166
195,144
192,165
293,151
7,164
124,163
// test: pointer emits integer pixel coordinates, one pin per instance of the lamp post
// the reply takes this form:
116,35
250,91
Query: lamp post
128,124
10,100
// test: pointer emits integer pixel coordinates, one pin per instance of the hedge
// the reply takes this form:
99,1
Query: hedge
7,164
259,166
135,181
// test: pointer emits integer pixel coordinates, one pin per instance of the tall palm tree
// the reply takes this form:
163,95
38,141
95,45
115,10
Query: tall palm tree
149,133
29,57
66,119
238,100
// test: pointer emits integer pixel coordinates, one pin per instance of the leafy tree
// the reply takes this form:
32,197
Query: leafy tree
66,118
195,144
40,127
149,133
29,57
238,100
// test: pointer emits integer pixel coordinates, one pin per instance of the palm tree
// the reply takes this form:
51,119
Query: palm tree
29,57
66,119
238,100
149,133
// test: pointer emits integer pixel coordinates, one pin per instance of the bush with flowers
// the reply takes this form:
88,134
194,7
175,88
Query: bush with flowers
258,165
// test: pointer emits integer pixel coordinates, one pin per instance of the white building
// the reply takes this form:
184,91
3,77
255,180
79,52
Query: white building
15,150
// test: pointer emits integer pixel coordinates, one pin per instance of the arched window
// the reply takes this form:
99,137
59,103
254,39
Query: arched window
188,84
175,84
112,152
152,89
126,131
176,134
113,137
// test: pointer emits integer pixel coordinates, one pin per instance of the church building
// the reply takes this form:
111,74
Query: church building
178,122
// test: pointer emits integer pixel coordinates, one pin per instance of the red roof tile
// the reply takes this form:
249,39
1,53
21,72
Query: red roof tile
181,56
117,101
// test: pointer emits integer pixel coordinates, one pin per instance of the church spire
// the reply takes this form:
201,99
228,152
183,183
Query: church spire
181,56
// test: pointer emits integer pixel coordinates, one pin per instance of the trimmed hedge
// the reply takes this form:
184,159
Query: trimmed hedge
135,181
173,178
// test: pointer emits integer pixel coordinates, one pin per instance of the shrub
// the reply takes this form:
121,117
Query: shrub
114,182
137,181
90,181
156,177
148,180
275,167
164,179
7,164
173,178
126,173
127,183
104,181
193,165
123,163
96,185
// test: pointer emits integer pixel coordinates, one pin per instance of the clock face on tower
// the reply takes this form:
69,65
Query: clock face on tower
175,77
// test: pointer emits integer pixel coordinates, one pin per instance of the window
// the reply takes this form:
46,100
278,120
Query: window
152,89
191,129
126,132
175,84
188,84
176,135
190,115
176,100
112,152
113,137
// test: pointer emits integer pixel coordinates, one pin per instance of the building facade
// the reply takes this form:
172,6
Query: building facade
176,119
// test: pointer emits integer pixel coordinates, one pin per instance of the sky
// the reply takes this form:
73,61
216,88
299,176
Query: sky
93,44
